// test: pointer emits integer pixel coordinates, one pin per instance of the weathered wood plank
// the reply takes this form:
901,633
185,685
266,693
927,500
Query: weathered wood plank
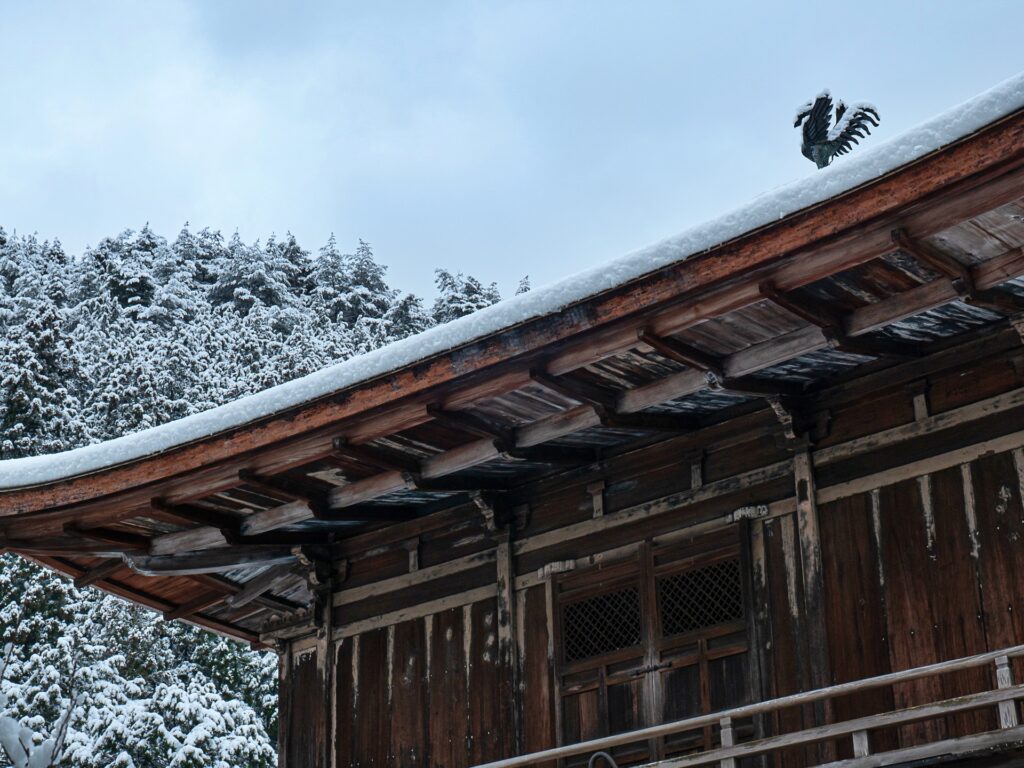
208,561
408,686
417,611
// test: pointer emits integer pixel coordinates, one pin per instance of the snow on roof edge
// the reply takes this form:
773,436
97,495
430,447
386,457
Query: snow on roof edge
868,164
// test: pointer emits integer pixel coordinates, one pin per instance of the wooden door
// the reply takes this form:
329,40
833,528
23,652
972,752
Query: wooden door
659,637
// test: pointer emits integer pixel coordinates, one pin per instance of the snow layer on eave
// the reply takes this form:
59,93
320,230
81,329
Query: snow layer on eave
867,164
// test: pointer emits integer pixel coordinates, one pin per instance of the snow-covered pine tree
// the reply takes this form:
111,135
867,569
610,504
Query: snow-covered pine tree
134,333
460,295
253,274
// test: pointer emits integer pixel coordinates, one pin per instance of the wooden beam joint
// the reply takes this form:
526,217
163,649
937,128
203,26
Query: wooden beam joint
960,275
469,422
374,457
833,326
680,352
574,389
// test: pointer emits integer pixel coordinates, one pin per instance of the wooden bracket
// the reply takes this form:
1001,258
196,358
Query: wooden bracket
596,491
918,391
322,578
695,460
794,415
486,508
497,514
412,546
521,516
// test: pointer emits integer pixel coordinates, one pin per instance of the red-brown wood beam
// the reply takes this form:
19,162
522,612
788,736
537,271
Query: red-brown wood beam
714,367
574,389
229,587
278,488
120,539
680,352
257,586
960,275
209,561
98,573
195,605
374,457
934,259
148,599
956,183
468,422
832,324
191,514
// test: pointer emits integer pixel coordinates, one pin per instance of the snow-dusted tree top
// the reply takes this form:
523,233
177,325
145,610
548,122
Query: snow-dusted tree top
956,123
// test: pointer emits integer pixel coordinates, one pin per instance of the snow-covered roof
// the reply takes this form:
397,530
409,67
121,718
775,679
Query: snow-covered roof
868,164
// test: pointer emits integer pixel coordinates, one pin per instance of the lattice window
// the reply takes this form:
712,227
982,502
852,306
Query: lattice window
601,624
699,598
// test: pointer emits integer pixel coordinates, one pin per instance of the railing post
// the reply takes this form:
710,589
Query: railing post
861,746
1004,679
728,740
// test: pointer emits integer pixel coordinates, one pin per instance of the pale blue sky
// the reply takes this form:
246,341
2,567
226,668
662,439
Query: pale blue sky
495,138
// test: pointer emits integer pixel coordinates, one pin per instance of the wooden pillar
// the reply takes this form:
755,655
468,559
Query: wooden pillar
757,599
508,653
284,695
809,541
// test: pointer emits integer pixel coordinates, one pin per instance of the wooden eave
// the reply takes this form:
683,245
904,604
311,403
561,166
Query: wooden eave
544,395
838,233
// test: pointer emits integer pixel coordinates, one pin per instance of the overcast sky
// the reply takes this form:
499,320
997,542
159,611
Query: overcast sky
496,138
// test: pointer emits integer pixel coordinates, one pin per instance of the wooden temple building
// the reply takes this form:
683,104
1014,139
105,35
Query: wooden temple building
758,504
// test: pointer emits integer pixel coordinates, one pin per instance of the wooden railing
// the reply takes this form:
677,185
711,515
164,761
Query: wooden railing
1003,697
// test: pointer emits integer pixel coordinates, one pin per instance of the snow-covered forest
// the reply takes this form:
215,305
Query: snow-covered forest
136,332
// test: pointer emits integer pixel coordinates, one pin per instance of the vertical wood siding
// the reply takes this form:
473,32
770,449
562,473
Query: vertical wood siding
919,570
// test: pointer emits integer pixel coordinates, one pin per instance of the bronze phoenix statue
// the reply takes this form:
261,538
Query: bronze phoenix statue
823,140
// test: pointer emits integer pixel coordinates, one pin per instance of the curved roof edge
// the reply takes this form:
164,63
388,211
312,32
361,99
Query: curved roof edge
869,164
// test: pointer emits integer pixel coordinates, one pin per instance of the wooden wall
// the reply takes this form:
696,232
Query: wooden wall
892,539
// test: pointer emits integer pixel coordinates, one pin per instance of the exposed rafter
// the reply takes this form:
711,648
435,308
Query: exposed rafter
833,325
209,561
374,457
736,368
104,570
960,275
680,352
267,581
574,389
195,605
714,368
468,422
119,539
